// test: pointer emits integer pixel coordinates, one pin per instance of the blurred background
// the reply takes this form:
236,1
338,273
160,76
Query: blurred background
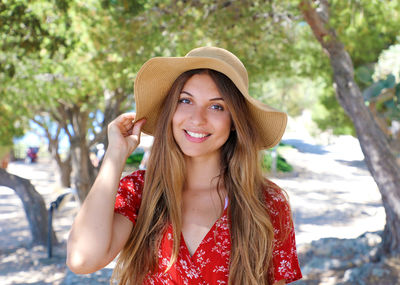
67,69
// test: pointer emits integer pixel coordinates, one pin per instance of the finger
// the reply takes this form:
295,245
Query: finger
129,115
137,128
125,119
125,123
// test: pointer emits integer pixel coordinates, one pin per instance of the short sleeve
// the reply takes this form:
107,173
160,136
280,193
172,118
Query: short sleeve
284,256
129,195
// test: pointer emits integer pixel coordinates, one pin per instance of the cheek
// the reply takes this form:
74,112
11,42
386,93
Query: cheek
225,124
177,120
174,124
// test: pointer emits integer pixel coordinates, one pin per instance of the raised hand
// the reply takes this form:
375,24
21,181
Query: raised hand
124,135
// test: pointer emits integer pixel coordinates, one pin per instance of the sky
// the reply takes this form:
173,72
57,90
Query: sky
36,138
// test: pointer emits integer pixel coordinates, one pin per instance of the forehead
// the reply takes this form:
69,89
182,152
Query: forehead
201,85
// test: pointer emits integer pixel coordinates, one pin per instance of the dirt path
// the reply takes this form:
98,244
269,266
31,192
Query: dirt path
331,193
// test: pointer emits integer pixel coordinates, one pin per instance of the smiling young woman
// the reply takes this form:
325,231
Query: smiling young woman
202,213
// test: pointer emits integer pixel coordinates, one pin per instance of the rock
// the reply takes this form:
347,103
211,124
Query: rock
347,261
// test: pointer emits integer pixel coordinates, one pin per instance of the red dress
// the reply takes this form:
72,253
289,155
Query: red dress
210,263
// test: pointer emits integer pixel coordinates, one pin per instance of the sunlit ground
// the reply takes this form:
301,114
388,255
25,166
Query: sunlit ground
331,191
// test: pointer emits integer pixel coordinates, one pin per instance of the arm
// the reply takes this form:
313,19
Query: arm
281,282
98,234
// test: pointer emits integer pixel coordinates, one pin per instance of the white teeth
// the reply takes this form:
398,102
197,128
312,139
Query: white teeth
196,135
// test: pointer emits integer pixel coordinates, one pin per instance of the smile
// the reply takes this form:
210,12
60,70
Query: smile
197,135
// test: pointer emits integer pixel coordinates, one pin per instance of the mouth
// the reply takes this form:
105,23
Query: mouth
197,135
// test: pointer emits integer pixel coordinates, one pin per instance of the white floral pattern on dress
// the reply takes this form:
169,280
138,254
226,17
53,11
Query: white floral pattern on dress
210,263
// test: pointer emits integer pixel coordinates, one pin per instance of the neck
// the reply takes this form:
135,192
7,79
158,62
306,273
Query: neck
202,173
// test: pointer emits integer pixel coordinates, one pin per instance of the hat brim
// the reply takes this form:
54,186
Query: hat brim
157,75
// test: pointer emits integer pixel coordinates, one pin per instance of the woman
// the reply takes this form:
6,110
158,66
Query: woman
202,213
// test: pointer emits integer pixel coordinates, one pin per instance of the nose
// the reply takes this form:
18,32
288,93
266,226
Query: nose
198,116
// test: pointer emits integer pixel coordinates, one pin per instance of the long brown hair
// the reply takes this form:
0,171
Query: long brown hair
250,226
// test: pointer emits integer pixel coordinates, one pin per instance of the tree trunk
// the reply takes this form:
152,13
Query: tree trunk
75,122
64,167
380,160
65,170
34,206
83,170
83,173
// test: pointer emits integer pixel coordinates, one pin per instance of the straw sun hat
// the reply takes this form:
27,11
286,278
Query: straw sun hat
157,75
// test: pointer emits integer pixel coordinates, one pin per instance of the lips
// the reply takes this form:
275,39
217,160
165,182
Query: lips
196,137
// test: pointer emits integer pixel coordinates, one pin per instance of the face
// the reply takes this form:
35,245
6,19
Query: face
202,122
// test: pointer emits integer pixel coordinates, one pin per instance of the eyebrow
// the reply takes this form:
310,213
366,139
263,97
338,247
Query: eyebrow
212,99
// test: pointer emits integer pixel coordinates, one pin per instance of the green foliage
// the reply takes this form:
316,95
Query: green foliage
363,75
365,28
383,90
292,95
135,158
377,87
385,94
329,115
34,38
70,76
9,126
88,51
30,28
82,53
281,164
129,8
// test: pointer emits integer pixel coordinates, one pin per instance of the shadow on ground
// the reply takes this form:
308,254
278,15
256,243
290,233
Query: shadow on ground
305,147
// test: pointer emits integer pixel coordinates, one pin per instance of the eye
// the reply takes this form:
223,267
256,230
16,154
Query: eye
217,107
184,100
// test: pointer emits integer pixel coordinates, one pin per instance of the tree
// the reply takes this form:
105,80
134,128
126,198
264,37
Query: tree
25,41
58,83
22,34
366,28
32,201
34,206
380,160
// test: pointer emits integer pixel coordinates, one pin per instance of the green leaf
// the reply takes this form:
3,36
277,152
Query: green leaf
390,104
397,91
364,74
374,90
390,81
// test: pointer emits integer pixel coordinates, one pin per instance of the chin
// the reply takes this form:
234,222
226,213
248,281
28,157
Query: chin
199,154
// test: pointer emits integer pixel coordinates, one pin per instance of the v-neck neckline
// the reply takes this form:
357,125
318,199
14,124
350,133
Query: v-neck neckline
210,231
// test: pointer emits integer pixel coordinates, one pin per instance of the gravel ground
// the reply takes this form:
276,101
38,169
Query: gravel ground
333,197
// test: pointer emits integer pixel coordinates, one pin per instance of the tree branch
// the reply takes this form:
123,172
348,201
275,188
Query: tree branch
317,19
